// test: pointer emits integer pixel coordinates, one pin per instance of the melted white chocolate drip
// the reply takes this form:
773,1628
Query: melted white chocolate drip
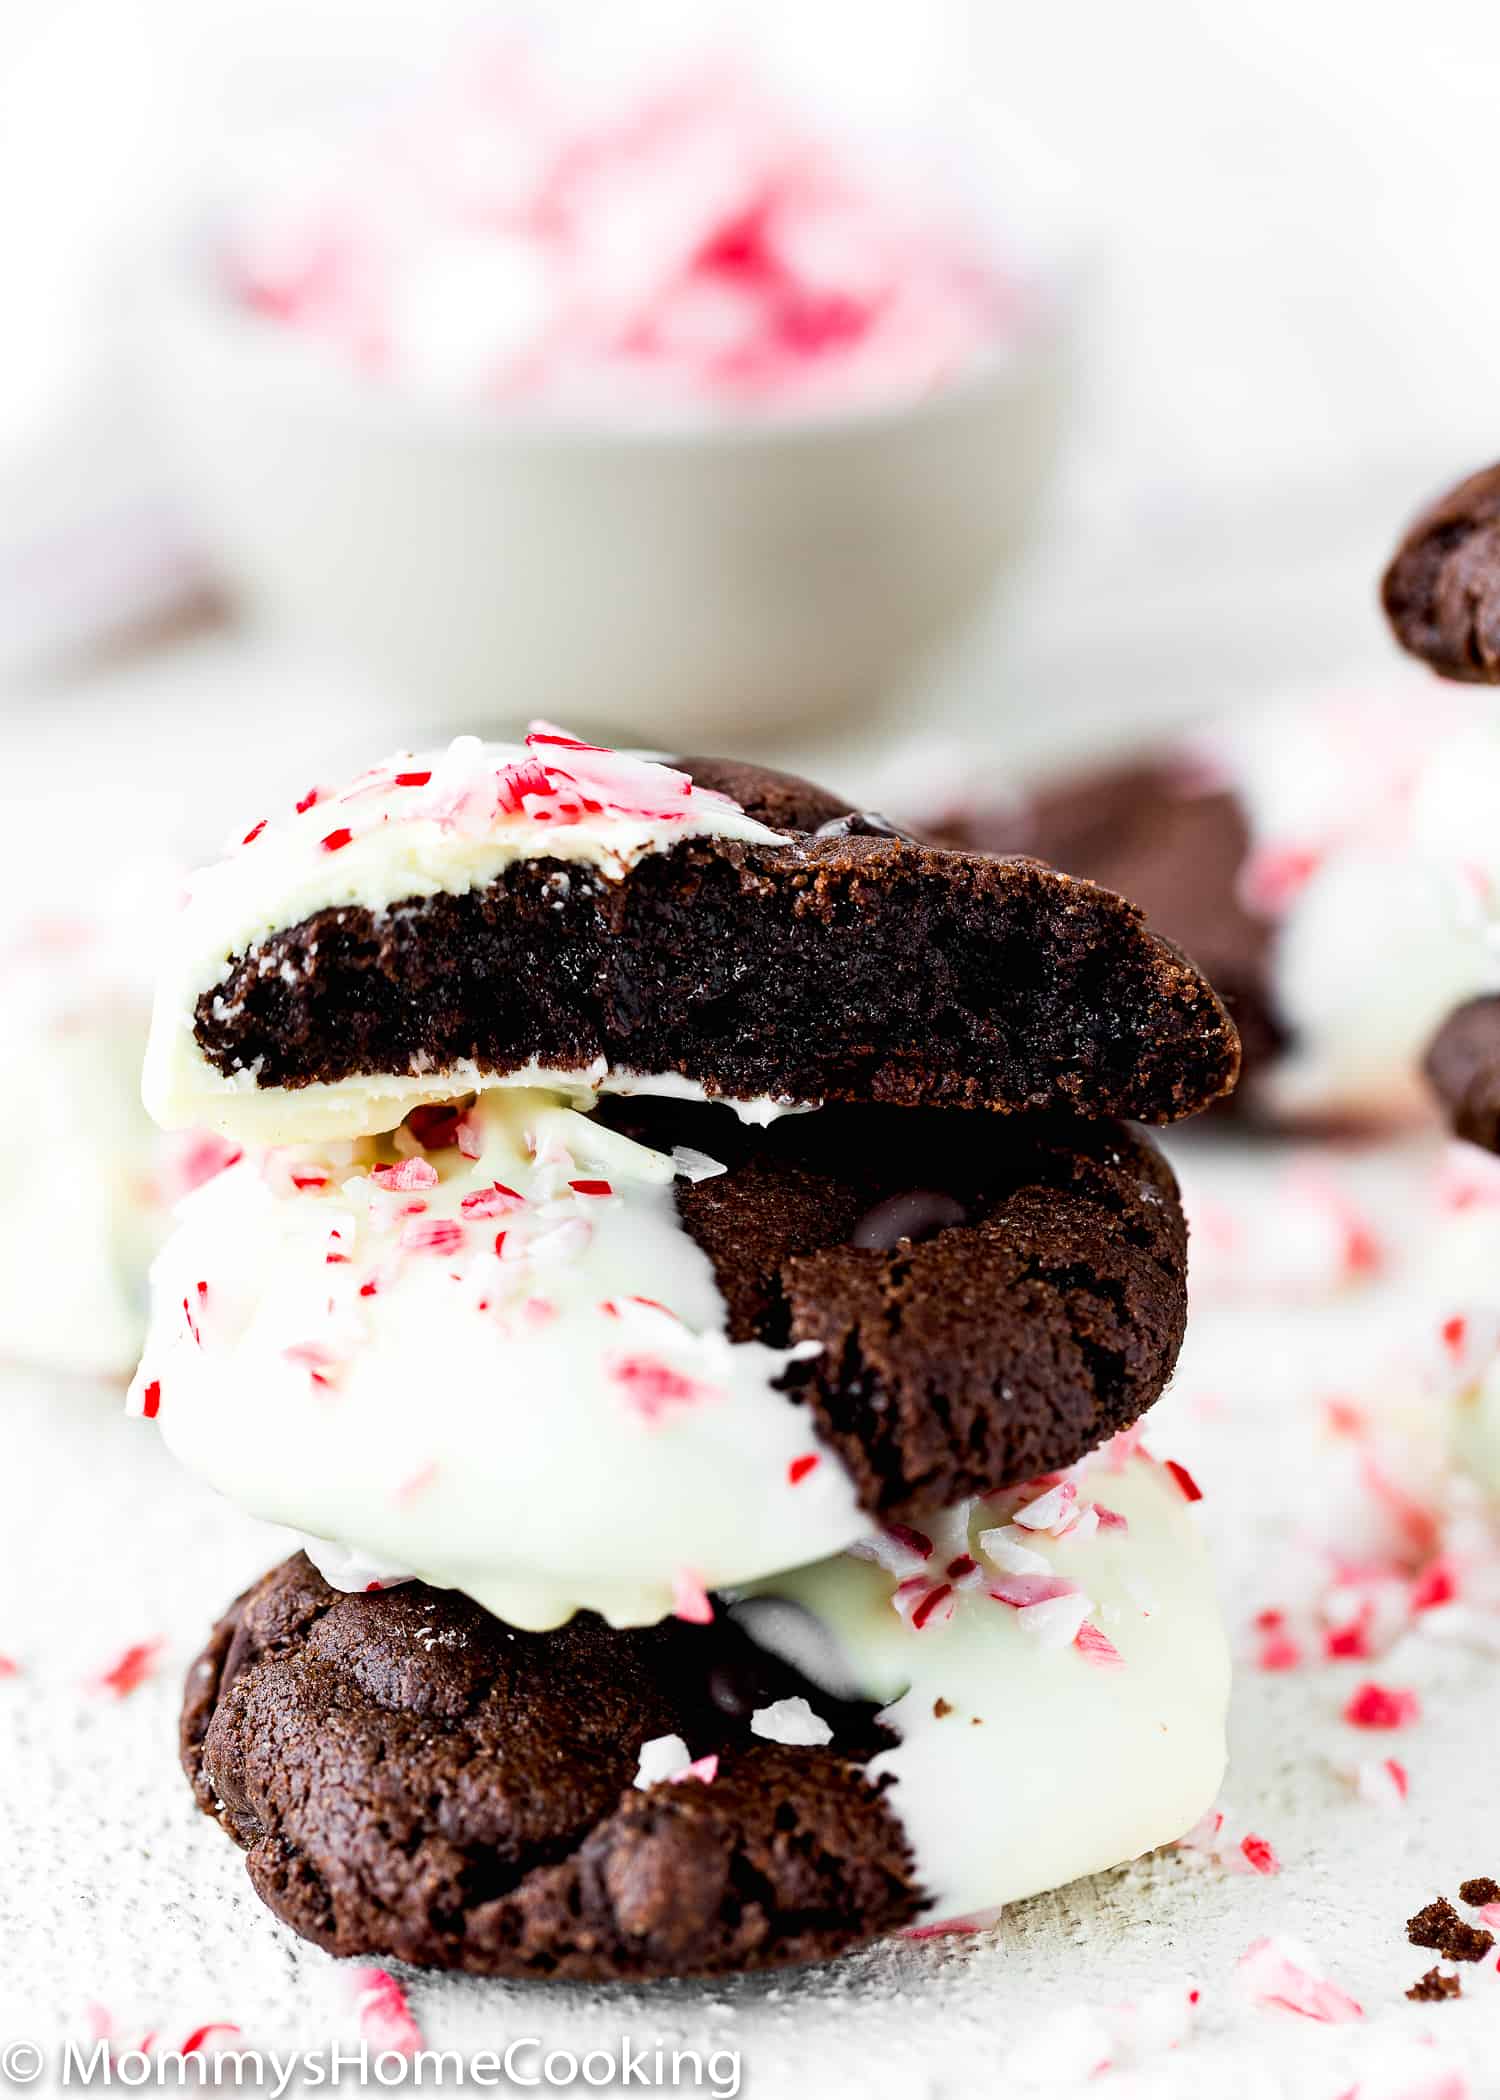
369,1105
1022,1763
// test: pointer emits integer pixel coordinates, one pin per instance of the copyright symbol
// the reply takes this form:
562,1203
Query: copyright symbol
20,2063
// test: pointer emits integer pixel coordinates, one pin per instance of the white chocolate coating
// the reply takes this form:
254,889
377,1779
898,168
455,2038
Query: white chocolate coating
1046,1764
83,1211
341,1110
554,1423
1476,1430
414,826
1464,1296
78,1218
1369,952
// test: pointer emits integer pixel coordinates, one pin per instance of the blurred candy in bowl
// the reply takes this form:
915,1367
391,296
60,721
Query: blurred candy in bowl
669,408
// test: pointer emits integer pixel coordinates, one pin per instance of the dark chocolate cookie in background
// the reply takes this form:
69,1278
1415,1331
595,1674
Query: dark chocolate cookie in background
1441,591
411,1778
1463,1066
852,963
1151,830
1312,853
994,1296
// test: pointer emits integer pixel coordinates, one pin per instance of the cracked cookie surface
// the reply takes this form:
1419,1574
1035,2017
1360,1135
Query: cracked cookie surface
412,1778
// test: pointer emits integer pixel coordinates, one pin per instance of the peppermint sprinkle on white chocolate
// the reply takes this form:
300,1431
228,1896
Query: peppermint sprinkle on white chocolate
1050,1723
413,827
484,1350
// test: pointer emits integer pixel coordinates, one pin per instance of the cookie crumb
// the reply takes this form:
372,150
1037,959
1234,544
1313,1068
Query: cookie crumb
941,1708
1438,1925
1481,1889
1434,1986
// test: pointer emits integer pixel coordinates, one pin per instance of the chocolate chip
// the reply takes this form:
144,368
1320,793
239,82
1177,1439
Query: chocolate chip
1482,1889
738,1687
1434,1986
862,824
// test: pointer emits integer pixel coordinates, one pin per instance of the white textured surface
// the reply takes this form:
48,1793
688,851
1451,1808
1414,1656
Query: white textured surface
115,1892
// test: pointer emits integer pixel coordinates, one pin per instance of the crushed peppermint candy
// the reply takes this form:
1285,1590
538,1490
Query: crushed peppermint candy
406,1174
1382,1706
1056,1621
790,1721
432,1236
130,1670
1097,1647
1234,1850
690,1600
1024,1591
1003,1544
1382,1781
651,1387
922,1603
664,1760
1077,2044
1053,1511
1282,1973
476,791
497,1201
385,2018
695,247
1259,1856
1190,1489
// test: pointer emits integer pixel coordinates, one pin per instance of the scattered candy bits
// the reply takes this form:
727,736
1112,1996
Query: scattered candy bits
690,1600
198,2041
130,1670
1382,1706
1280,1973
385,2018
665,1760
476,792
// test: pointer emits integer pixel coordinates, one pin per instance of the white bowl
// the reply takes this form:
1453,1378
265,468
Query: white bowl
681,585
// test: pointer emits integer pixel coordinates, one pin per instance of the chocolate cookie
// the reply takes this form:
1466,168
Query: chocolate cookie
692,1382
1463,1066
848,963
412,1778
1175,847
993,1297
1441,592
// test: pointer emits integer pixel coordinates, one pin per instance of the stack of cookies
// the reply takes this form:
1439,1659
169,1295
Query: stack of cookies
686,1278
